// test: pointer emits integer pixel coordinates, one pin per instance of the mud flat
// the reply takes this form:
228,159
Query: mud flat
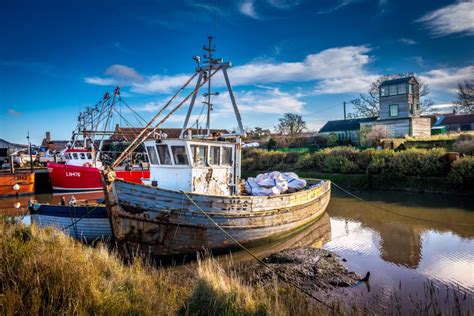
310,268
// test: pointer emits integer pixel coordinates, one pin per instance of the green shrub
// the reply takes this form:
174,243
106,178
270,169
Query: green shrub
462,172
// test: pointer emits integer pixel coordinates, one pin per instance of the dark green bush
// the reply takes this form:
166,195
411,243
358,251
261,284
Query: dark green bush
462,172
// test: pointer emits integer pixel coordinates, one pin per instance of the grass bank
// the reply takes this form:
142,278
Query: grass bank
45,272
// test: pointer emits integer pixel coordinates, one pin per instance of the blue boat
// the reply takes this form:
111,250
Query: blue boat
85,222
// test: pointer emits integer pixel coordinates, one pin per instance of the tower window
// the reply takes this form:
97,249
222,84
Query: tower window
393,90
393,110
402,88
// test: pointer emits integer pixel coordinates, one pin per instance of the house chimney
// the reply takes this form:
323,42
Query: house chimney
48,136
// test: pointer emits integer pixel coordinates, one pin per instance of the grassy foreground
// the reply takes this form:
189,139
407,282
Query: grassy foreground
42,271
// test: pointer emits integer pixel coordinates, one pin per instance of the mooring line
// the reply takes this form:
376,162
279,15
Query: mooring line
390,211
283,277
79,219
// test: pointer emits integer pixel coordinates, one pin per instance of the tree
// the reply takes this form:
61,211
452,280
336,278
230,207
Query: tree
368,103
291,124
465,97
376,133
258,133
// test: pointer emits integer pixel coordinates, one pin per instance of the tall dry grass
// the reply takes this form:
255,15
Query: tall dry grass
45,272
42,271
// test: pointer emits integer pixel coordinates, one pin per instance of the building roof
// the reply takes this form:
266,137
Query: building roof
345,125
398,80
455,119
6,144
129,133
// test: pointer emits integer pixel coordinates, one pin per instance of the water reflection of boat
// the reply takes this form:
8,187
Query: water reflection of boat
315,234
195,185
87,220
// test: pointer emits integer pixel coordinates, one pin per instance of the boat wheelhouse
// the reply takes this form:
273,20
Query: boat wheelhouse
193,165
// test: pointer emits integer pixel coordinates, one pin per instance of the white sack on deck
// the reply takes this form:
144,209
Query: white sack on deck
274,183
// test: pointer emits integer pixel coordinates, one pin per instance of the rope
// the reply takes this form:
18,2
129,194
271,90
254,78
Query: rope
283,277
390,211
79,219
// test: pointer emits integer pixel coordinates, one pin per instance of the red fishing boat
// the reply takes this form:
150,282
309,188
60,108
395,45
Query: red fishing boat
84,159
81,173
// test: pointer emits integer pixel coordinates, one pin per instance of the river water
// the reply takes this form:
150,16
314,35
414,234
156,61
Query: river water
416,246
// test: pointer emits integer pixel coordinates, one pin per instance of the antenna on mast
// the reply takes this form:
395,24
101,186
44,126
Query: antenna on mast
208,59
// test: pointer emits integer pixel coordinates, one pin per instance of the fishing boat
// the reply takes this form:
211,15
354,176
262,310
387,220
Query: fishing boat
17,183
81,172
83,160
85,220
194,198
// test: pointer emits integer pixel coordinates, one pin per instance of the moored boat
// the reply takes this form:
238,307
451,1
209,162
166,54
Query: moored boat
83,160
17,183
84,221
194,191
81,172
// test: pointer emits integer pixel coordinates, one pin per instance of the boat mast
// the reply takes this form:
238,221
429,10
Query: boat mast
209,49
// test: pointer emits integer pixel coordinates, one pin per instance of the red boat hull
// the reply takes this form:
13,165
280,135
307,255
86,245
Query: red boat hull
76,178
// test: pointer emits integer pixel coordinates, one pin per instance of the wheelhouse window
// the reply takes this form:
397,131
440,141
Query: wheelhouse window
164,154
179,155
226,156
83,156
215,155
402,88
393,90
384,91
152,155
394,110
89,156
75,156
199,155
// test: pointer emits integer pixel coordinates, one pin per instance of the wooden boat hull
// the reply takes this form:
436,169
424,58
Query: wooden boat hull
25,181
164,222
87,223
80,178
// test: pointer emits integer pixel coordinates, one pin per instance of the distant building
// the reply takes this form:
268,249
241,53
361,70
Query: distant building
7,148
456,123
399,113
345,130
53,145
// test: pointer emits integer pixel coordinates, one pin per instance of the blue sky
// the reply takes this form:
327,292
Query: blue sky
306,57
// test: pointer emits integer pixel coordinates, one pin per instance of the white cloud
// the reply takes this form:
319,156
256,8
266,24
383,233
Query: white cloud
247,8
330,63
340,4
123,72
407,41
456,18
100,81
161,84
283,4
447,79
333,63
116,75
355,84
